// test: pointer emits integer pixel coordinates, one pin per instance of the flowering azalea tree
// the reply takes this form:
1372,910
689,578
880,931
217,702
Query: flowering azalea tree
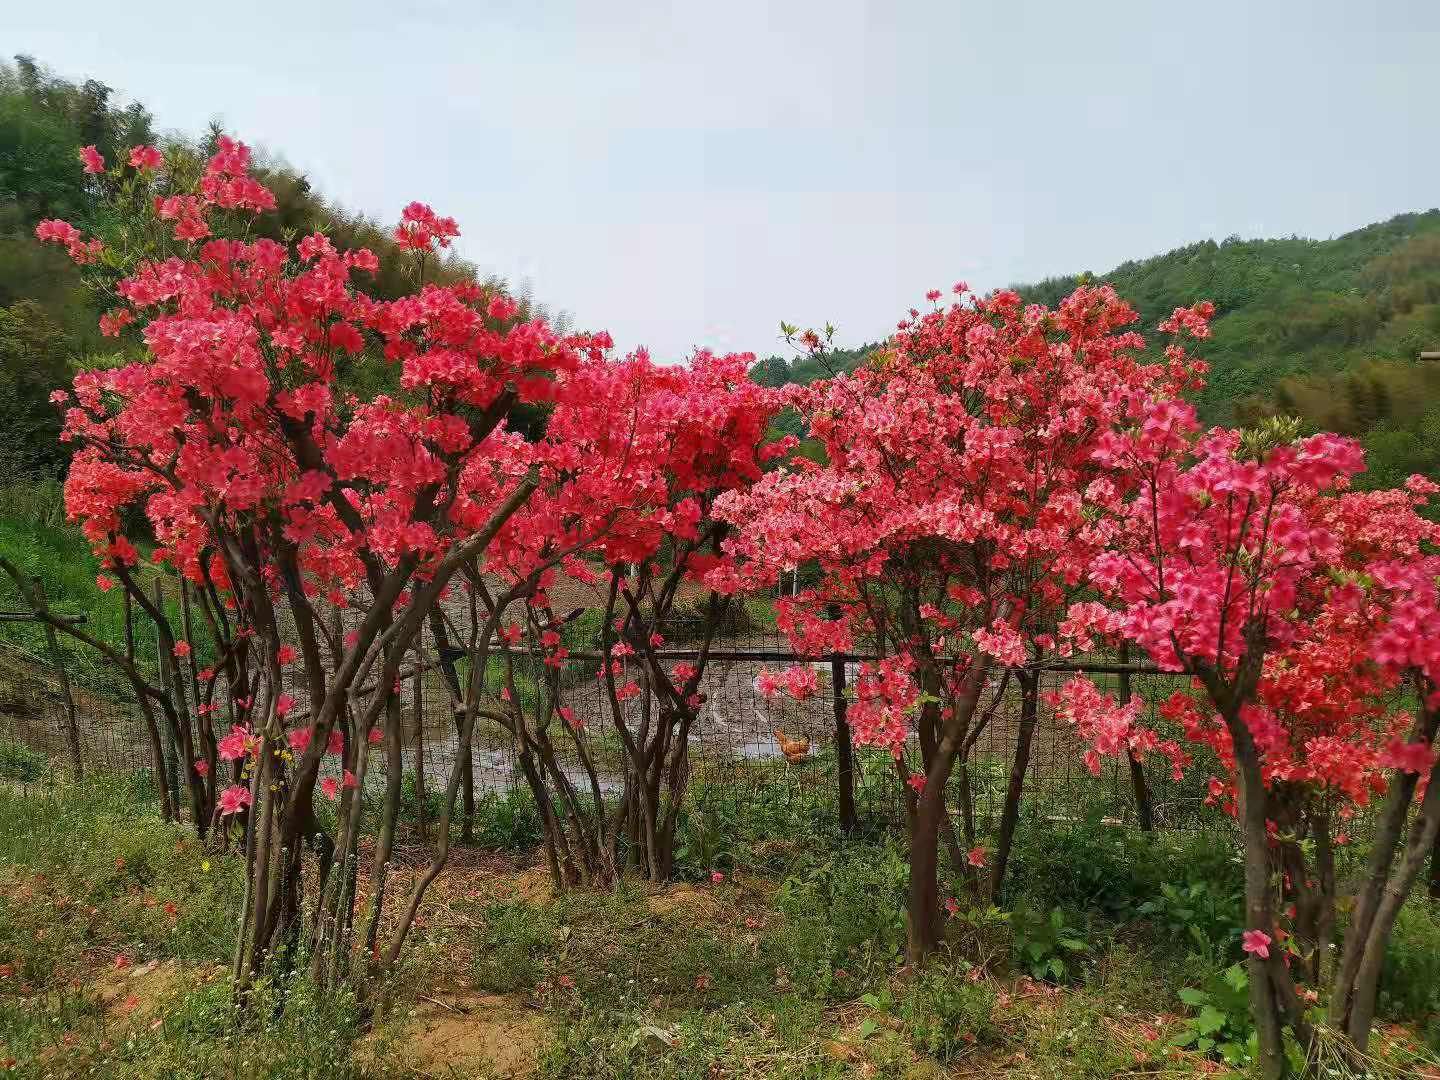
286,500
1296,605
646,450
952,523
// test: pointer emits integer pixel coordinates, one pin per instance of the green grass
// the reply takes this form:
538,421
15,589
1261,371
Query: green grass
790,967
22,765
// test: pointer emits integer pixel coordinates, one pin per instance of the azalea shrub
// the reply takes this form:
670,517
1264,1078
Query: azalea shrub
645,450
1299,607
297,511
953,523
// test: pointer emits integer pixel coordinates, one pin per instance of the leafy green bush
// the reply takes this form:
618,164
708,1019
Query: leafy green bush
1047,945
859,894
1097,866
510,820
1220,1025
1208,915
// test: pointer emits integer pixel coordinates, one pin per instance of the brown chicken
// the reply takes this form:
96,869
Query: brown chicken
795,750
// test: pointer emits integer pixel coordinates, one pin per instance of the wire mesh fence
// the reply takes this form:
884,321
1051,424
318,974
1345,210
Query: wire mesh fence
744,749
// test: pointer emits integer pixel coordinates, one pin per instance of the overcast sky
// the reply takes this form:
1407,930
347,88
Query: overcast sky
690,174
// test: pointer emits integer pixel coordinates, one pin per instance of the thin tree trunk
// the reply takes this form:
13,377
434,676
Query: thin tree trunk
1435,870
1010,814
1144,804
1264,1001
205,729
923,915
385,840
171,744
421,795
923,910
1325,884
1383,848
445,653
1423,834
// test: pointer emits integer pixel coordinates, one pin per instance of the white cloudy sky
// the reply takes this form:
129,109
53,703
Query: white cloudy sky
689,174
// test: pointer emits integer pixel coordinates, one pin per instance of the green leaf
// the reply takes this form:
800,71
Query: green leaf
1194,998
868,1028
1210,1020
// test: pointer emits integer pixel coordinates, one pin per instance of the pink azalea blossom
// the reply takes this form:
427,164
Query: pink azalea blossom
234,798
145,158
1257,943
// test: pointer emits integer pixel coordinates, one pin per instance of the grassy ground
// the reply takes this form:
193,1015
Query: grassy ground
115,933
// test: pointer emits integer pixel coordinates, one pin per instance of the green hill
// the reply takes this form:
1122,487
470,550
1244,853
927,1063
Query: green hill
1328,330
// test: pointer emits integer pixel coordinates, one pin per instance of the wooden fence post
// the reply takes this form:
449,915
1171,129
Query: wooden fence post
844,752
72,727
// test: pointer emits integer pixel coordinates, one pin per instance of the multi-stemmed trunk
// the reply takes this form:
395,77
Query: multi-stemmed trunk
1395,863
941,743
